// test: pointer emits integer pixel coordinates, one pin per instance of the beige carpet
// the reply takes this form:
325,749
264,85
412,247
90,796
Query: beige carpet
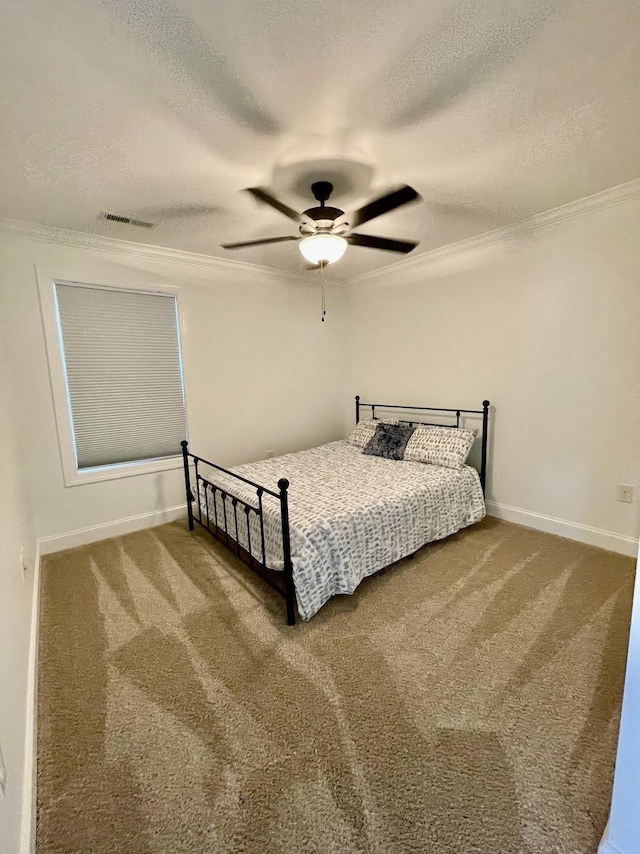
465,701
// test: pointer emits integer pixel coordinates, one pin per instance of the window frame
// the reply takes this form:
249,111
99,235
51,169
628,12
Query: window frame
61,404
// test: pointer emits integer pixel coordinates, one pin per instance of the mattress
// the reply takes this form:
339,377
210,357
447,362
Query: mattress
350,514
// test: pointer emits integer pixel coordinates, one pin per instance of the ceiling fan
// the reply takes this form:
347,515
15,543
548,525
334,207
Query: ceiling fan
325,231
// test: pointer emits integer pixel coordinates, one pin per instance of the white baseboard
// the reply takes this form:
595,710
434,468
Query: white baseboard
572,530
28,822
84,536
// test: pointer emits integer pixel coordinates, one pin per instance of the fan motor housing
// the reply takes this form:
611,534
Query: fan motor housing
324,212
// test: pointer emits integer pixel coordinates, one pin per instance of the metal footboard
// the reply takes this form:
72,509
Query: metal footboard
221,513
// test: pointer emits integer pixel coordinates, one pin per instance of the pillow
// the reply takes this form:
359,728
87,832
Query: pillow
364,430
440,446
389,441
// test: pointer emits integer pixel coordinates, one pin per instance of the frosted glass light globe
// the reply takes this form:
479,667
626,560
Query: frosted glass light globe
323,248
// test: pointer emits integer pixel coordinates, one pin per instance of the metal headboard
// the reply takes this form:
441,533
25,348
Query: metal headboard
453,414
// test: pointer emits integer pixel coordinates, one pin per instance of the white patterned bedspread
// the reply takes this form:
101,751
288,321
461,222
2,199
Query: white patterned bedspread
350,514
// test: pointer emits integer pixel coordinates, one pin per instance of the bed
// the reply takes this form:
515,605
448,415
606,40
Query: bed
338,515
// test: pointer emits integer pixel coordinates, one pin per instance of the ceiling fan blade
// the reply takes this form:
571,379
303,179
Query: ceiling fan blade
386,243
402,196
267,198
247,243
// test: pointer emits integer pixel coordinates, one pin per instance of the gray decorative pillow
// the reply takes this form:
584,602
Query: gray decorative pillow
389,441
365,430
440,446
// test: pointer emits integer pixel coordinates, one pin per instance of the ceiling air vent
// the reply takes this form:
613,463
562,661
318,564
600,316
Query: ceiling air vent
125,220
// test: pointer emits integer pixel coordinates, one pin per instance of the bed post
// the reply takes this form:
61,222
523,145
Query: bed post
357,409
485,431
290,591
187,481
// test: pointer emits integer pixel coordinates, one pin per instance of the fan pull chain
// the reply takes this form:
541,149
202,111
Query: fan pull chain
324,311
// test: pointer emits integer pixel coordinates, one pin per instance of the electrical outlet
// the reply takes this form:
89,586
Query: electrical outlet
625,493
270,453
3,773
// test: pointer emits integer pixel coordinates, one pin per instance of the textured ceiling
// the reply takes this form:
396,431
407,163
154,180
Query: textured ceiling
164,109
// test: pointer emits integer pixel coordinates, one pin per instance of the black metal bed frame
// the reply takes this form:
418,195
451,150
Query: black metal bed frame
220,525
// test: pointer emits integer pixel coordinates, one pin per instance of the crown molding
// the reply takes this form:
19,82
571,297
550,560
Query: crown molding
564,213
101,243
554,216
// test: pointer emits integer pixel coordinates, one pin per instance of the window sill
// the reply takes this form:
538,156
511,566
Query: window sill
121,470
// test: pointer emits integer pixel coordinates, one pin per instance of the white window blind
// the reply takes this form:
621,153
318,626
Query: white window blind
124,374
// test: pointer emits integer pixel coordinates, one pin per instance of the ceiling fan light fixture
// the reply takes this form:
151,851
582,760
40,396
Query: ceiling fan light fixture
323,248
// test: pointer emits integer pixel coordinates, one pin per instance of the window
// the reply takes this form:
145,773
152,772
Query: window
121,371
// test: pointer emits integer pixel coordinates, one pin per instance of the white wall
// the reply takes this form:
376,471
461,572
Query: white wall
16,595
546,325
260,372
